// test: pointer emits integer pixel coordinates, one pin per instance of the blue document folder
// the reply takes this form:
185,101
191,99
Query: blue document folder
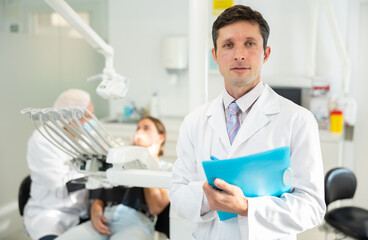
262,174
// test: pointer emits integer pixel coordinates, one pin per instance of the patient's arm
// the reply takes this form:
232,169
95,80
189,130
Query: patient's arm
97,217
157,199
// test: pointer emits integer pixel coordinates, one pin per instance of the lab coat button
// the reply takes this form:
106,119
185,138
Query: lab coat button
288,176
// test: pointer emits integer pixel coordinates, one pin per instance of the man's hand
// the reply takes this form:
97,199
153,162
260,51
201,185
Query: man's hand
98,220
230,199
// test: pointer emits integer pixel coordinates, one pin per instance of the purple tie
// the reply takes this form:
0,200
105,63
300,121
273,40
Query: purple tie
232,124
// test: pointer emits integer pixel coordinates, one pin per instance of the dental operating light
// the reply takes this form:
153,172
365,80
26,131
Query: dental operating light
113,85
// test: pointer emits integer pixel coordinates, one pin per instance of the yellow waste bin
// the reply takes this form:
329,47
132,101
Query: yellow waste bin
336,121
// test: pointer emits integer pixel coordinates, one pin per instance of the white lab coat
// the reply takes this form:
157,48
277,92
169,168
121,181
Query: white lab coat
272,122
50,209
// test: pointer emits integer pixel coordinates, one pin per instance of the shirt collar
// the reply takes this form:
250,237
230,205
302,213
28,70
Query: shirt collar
247,100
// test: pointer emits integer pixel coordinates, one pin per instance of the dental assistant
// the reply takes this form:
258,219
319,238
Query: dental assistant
247,117
51,210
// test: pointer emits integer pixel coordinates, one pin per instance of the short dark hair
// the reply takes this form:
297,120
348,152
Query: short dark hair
240,13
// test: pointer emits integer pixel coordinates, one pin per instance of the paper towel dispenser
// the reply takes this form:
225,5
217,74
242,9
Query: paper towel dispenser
174,57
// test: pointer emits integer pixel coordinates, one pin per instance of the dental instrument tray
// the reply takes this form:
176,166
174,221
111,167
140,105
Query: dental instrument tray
262,174
77,133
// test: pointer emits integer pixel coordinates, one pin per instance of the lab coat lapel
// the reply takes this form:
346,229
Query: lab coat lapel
257,118
216,120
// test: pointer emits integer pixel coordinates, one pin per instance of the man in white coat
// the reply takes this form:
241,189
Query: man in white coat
51,210
248,117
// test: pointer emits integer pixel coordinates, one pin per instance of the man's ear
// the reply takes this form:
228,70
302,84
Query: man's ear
267,53
214,54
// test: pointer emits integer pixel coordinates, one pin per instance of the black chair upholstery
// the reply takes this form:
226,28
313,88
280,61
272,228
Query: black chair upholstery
163,222
341,183
24,193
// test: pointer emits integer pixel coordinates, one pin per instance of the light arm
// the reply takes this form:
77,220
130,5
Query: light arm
113,85
61,7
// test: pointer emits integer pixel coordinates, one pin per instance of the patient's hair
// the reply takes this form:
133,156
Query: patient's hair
240,13
160,129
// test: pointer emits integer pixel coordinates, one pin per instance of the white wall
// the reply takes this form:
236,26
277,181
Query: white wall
361,131
135,31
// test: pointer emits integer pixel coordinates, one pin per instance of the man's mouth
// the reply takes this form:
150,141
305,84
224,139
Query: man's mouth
239,68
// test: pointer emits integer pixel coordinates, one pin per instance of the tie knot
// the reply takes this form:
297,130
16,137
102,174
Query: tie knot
233,109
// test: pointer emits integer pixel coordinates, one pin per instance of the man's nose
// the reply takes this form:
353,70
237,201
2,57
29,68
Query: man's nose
239,57
239,54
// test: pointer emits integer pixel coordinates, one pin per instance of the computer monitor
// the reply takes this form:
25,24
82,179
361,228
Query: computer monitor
292,93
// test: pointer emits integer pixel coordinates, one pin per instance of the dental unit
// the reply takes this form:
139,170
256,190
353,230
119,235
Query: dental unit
96,153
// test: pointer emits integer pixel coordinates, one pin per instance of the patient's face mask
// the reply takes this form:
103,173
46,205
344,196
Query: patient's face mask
88,127
146,134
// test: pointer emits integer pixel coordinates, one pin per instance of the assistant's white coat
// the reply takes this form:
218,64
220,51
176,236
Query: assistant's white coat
51,210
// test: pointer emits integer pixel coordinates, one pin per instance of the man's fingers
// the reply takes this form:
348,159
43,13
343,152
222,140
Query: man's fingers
221,184
207,187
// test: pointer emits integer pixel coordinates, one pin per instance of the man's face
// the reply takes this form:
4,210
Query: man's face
240,54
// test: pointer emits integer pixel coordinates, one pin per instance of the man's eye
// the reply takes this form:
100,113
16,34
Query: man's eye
228,45
250,44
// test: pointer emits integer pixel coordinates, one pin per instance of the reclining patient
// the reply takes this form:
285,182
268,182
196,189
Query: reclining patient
127,213
51,210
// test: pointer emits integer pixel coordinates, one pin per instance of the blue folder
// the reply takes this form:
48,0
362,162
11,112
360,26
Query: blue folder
262,174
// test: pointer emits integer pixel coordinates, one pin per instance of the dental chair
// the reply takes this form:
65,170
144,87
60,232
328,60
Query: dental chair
341,183
162,223
24,193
